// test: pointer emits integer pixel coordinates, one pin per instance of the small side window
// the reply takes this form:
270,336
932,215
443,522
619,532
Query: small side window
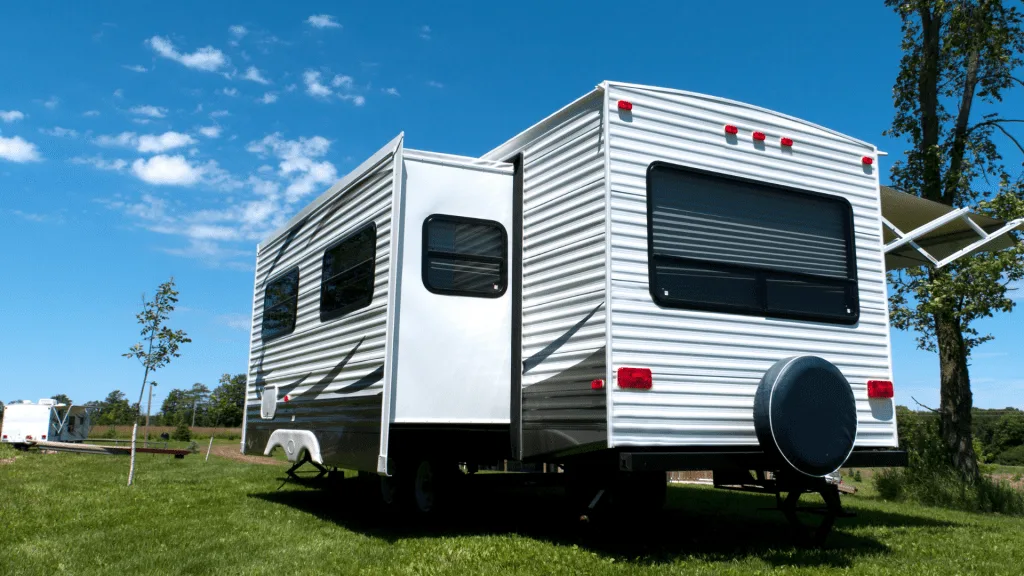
348,274
280,304
464,256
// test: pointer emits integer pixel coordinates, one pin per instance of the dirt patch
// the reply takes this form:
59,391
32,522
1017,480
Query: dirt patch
1014,480
231,452
6,461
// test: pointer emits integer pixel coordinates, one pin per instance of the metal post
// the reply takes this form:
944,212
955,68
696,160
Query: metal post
208,449
149,405
193,413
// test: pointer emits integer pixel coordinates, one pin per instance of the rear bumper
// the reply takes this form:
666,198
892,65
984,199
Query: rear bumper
744,460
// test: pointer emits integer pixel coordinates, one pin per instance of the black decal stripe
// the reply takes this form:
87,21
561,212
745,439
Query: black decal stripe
543,354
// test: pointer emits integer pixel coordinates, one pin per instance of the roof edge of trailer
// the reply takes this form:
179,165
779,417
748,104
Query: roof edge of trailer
340,186
741,105
513,145
456,160
517,142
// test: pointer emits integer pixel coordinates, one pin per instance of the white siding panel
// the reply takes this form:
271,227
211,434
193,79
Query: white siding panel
707,365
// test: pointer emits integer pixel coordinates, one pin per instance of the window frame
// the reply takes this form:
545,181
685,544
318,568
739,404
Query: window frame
263,316
761,273
426,252
345,310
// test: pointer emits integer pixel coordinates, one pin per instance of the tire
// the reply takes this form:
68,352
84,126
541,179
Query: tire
642,492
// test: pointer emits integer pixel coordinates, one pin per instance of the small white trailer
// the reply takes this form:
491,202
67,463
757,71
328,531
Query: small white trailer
646,280
27,422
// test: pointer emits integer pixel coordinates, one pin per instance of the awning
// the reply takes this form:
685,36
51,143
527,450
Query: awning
920,232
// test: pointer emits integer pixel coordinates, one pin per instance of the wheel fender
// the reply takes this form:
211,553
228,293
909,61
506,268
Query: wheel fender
294,442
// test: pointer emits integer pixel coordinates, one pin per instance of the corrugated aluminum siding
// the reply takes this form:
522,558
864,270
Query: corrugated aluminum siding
564,284
332,371
707,365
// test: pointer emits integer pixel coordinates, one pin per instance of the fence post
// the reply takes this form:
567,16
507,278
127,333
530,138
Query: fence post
208,448
131,466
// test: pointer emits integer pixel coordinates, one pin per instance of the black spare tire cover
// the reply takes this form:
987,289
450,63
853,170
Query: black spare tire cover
805,415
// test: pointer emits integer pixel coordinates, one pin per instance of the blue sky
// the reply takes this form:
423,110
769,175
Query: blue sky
142,140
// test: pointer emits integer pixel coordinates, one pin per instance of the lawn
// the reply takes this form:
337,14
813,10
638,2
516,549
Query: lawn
70,513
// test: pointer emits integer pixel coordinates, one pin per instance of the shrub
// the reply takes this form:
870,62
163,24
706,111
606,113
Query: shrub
857,477
182,433
109,433
930,480
1012,457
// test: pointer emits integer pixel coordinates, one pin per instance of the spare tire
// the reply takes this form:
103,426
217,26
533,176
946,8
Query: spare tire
805,415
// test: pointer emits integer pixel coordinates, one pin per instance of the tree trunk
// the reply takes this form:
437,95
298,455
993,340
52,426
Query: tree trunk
131,465
956,400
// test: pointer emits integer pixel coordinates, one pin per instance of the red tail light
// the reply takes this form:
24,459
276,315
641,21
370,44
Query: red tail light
5,437
636,378
880,389
730,129
28,437
44,437
625,105
867,160
597,384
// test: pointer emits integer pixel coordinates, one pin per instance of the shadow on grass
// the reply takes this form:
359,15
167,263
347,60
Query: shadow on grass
708,524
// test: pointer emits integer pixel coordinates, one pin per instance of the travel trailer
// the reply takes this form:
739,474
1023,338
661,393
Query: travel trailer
26,422
646,280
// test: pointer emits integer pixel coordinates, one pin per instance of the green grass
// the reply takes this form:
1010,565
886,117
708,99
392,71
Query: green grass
70,513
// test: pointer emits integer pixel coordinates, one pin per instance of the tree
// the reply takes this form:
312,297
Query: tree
1009,431
62,399
161,346
199,397
176,407
228,401
959,58
114,409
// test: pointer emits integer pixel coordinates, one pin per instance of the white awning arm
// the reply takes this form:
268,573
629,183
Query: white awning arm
985,239
905,240
908,237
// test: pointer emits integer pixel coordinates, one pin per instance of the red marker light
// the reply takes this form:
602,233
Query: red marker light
44,436
597,384
730,129
625,105
786,141
635,378
880,389
867,160
759,136
286,398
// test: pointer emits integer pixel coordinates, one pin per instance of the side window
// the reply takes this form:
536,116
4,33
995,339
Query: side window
348,273
464,256
279,305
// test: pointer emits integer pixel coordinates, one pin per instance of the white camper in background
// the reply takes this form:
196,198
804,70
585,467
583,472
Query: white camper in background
44,421
647,280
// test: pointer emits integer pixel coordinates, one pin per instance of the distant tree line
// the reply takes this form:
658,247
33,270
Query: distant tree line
998,434
220,408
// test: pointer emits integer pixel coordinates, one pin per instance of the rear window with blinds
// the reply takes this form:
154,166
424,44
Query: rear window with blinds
464,256
726,244
347,277
279,305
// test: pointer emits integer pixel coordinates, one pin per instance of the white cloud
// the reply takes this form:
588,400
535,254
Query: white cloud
164,142
9,116
322,21
119,93
235,321
207,58
91,113
238,31
60,132
165,170
425,32
151,111
291,87
18,150
342,81
229,92
435,84
353,98
268,98
210,131
142,121
40,218
253,73
99,163
219,113
298,162
123,139
313,86
391,91
52,102
135,68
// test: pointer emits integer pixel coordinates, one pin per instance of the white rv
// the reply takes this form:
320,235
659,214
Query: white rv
646,280
44,421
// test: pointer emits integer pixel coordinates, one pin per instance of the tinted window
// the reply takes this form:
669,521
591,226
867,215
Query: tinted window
279,305
733,245
464,256
348,274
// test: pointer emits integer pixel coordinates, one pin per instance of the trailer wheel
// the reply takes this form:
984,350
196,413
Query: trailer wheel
640,491
425,482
